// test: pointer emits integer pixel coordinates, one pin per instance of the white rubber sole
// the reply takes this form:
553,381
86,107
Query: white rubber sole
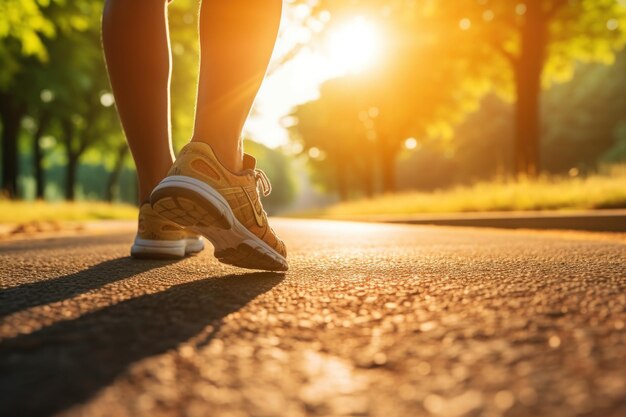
198,207
168,249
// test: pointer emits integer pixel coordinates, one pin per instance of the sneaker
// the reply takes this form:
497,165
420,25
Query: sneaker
158,238
201,195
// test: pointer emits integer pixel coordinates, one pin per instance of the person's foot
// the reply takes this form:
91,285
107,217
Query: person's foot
158,238
201,195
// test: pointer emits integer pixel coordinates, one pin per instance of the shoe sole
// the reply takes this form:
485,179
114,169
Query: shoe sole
198,207
165,249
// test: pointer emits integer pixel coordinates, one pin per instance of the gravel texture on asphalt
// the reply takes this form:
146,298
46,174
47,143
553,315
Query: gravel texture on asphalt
371,320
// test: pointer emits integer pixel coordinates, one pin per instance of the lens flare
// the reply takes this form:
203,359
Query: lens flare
353,46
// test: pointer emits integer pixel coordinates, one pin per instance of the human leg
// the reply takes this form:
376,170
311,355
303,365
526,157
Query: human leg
236,41
136,46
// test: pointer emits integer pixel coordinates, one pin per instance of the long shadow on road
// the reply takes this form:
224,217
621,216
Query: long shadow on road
68,362
57,289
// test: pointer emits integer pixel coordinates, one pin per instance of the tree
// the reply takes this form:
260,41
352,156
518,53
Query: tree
25,27
84,122
582,125
582,117
414,90
73,82
521,46
335,137
120,157
42,125
12,111
539,42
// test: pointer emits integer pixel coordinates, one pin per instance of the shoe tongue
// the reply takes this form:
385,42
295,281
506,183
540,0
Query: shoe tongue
249,162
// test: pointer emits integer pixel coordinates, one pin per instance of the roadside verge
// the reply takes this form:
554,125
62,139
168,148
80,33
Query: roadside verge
590,220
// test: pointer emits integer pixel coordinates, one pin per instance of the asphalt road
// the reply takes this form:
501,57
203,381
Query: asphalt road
371,320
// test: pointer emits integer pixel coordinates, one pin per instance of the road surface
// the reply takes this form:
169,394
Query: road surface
371,320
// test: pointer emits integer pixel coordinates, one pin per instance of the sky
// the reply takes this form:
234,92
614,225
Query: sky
349,46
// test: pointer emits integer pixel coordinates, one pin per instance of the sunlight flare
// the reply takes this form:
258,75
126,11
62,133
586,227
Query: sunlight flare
353,46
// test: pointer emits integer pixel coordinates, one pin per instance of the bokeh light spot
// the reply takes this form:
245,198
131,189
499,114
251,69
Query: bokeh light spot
46,96
314,152
410,143
488,15
107,99
612,24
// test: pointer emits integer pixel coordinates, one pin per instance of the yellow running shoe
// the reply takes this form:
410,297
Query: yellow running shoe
201,195
158,238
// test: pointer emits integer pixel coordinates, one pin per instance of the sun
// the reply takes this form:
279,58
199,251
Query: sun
353,46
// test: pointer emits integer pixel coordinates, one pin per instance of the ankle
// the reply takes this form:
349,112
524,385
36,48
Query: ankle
231,157
150,178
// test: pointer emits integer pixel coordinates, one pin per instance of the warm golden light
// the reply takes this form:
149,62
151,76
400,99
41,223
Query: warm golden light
410,143
353,46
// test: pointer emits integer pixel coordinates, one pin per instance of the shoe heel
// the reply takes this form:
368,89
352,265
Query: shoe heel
157,249
189,208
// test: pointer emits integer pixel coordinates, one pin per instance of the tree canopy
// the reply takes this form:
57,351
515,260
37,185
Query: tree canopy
443,56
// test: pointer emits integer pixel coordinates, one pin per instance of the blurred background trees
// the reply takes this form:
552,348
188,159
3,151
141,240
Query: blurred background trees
450,54
539,41
61,138
453,92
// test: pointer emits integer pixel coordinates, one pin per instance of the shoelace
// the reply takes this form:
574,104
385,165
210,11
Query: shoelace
261,178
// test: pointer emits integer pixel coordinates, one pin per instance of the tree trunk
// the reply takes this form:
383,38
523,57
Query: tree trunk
342,180
72,160
11,115
387,159
115,174
528,71
367,171
70,179
368,182
389,174
40,184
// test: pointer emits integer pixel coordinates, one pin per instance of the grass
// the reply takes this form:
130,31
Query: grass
606,190
12,212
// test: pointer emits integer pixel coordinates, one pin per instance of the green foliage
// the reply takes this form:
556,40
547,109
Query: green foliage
582,118
332,128
361,122
465,49
280,172
581,30
583,128
24,21
481,150
25,25
93,177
